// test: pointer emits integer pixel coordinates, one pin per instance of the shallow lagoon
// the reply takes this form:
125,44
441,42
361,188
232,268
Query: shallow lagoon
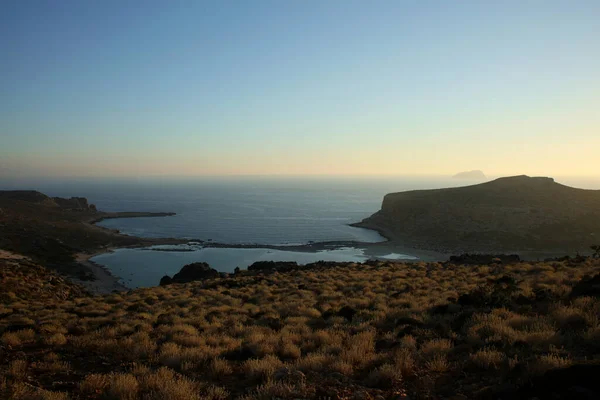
145,267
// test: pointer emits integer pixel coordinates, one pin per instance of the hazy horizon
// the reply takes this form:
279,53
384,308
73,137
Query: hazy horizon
268,88
395,182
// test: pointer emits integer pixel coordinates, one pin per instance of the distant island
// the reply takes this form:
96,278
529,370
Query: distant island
472,175
517,214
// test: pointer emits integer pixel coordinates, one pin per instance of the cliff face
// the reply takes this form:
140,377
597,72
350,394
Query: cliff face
516,213
74,203
32,196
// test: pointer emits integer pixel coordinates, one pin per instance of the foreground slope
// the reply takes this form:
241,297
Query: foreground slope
508,214
340,331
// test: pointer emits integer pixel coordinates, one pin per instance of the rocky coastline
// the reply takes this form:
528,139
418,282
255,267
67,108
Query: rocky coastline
535,217
63,234
129,214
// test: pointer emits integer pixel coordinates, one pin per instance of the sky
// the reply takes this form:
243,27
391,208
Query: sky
186,88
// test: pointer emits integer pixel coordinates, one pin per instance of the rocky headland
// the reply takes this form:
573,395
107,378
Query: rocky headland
518,214
60,234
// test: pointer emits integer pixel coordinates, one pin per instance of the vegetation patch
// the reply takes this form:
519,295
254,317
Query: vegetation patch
374,330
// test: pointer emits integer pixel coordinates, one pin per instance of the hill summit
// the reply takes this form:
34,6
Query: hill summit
518,213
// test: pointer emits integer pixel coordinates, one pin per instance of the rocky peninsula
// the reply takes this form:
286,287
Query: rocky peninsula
60,234
520,214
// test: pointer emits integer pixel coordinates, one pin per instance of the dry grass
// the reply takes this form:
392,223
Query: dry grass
545,362
487,358
20,337
17,369
437,364
261,369
122,386
259,336
57,339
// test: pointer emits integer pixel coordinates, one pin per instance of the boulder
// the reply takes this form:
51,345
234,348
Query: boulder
195,272
165,280
191,272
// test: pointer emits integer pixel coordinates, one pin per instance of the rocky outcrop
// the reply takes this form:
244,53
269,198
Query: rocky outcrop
191,272
165,280
270,265
507,215
74,204
32,196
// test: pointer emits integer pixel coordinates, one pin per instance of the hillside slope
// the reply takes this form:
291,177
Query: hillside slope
380,330
508,214
52,230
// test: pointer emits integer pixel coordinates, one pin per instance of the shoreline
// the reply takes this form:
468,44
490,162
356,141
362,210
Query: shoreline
128,214
106,282
430,251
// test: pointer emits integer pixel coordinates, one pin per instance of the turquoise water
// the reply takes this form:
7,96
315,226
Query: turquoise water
145,267
252,210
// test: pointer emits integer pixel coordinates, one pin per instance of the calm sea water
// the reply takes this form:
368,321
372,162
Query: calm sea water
239,210
244,210
145,267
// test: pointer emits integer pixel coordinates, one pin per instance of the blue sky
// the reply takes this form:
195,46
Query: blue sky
117,88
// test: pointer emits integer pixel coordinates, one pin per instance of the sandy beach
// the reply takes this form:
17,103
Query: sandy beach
105,281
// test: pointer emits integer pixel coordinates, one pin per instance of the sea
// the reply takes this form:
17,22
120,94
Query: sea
239,210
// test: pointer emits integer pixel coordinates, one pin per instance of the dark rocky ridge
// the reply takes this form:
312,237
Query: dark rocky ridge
505,215
52,231
74,203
